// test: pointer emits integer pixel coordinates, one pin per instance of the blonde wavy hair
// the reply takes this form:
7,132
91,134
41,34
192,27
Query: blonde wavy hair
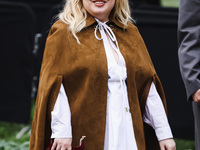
74,14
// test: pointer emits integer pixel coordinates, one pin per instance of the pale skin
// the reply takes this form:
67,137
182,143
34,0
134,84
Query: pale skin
102,13
196,96
62,144
167,144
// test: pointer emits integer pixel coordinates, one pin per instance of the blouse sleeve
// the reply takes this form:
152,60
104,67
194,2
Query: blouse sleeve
61,117
155,115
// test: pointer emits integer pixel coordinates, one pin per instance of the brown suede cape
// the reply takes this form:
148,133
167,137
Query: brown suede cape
82,68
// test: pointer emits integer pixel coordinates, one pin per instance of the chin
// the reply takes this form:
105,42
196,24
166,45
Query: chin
100,13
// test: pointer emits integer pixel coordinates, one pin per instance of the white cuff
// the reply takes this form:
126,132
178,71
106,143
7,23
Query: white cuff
163,133
62,131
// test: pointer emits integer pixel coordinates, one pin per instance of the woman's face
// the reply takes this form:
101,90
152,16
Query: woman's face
99,9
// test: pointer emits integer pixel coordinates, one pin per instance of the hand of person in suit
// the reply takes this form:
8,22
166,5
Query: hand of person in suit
167,144
62,144
196,96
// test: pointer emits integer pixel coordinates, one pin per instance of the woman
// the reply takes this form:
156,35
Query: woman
97,79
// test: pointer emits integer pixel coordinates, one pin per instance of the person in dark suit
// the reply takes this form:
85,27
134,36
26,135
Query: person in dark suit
189,56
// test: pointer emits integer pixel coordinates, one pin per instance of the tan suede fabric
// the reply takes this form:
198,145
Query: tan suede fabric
83,71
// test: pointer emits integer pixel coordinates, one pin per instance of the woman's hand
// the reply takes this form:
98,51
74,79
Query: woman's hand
167,144
62,144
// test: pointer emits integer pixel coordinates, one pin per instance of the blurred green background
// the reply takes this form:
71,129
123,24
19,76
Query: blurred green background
16,136
170,3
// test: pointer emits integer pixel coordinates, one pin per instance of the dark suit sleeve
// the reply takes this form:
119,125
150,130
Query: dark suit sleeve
189,44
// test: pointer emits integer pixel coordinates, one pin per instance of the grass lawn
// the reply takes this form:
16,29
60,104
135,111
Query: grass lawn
184,144
170,3
11,138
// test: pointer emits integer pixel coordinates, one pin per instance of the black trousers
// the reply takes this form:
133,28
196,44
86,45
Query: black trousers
196,111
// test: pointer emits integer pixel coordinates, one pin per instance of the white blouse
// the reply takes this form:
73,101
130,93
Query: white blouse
119,134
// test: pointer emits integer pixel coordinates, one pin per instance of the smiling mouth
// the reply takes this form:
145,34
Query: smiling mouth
99,2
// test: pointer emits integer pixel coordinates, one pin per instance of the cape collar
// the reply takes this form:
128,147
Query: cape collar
90,21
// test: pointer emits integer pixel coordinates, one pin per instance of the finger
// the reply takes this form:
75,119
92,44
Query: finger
174,148
162,147
70,148
196,95
54,146
65,148
196,100
171,147
58,147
